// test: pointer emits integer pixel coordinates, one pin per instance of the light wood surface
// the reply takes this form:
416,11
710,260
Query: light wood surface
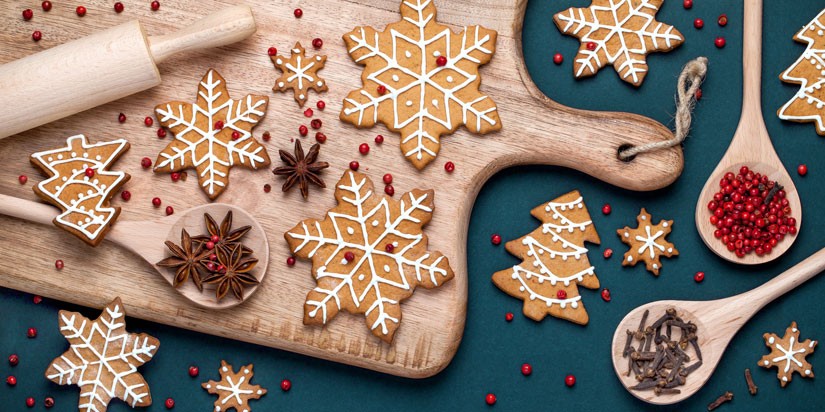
535,131
751,146
718,321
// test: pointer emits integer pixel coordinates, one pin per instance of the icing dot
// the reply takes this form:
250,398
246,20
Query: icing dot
50,159
820,32
224,369
98,158
630,258
280,84
208,386
626,234
807,371
408,54
771,340
766,362
60,156
320,83
301,96
361,276
670,250
521,289
296,51
395,77
65,178
386,268
394,244
436,53
279,61
350,230
74,154
644,217
246,371
450,80
784,379
86,155
88,220
794,329
655,266
343,261
318,58
435,102
409,103
90,191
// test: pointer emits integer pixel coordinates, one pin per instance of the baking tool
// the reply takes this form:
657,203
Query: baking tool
751,146
535,130
718,321
103,67
146,238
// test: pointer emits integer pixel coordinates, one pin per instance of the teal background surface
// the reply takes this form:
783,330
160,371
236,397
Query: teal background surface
492,350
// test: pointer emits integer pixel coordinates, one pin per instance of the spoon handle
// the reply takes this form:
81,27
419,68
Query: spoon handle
752,59
26,210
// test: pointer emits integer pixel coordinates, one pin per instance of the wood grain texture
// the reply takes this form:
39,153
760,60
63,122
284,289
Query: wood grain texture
535,131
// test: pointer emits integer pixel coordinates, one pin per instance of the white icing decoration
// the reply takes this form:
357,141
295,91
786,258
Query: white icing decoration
234,390
650,242
809,86
788,355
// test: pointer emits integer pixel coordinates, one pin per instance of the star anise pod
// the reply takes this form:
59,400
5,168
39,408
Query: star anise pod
226,237
301,169
186,259
233,274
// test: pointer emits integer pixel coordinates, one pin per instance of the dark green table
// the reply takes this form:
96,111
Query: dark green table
492,351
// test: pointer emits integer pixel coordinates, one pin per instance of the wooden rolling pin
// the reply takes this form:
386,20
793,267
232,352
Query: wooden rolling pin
103,67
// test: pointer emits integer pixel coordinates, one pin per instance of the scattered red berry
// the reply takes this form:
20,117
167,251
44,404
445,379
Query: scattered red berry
302,130
320,137
148,121
161,133
31,333
298,13
389,190
290,261
802,170
194,371
317,43
591,46
155,5
699,277
321,105
146,163
90,173
389,248
170,403
569,380
118,7
349,256
58,264
46,5
449,167
286,385
387,179
607,253
561,294
364,148
28,14
125,195
526,369
382,89
723,20
219,125
441,61
606,209
698,95
37,299
316,124
558,58
175,176
14,359
30,402
266,136
48,402
156,202
495,239
353,165
121,118
235,135
37,35
22,179
490,399
698,23
80,10
720,42
11,380
308,112
267,188
169,210
272,51
379,139
606,294
688,4
508,316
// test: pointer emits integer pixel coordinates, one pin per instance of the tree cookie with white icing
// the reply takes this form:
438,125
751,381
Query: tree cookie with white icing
422,80
368,254
299,74
81,185
788,355
808,105
647,242
554,261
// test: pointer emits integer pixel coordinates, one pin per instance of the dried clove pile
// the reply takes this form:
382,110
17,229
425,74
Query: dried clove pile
660,361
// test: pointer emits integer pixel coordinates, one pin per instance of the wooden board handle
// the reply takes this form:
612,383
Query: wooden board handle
223,27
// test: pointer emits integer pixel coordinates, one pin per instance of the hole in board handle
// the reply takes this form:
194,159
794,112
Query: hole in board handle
621,149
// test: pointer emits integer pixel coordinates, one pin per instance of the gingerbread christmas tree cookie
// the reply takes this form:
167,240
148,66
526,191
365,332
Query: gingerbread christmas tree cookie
808,105
555,261
368,254
788,355
235,389
647,242
420,79
620,33
213,134
103,358
300,74
81,185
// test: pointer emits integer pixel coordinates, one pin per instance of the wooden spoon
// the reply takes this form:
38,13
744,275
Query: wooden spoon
146,239
751,146
717,321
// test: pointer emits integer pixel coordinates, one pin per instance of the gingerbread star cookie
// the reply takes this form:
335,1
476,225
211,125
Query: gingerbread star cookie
81,185
420,79
368,254
554,261
213,134
235,389
300,74
103,359
620,33
647,242
808,105
788,355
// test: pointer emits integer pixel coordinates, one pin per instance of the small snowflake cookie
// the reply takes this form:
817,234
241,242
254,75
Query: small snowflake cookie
235,389
788,355
420,79
299,74
808,105
103,358
213,134
617,32
554,262
81,185
368,254
647,242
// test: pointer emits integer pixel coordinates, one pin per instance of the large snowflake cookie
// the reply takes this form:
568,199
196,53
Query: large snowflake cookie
103,359
647,242
299,74
808,105
213,134
235,389
554,261
421,80
81,185
368,254
788,355
617,32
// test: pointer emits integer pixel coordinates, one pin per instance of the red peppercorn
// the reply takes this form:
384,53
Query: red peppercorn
170,403
317,43
302,130
31,333
508,316
379,139
561,294
175,176
272,51
156,202
570,380
22,179
526,369
48,402
606,209
441,61
298,13
290,261
382,89
387,178
14,359
607,253
146,163
46,5
267,188
449,167
125,195
316,124
194,371
235,135
118,7
161,133
37,299
219,125
558,58
308,112
723,20
688,4
389,190
90,173
80,10
121,118
266,136
169,210
321,105
148,121
320,137
606,294
699,277
389,248
698,95
720,42
802,170
37,35
490,399
286,385
58,264
364,148
353,165
698,23
11,380
28,14
155,5
591,46
495,239
349,256
30,402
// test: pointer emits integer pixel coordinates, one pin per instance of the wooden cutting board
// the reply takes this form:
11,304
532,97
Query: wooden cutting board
535,131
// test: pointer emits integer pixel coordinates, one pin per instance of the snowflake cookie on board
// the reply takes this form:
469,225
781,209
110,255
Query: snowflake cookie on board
103,358
213,134
81,185
808,105
555,261
788,355
299,74
235,389
620,33
368,254
420,79
647,242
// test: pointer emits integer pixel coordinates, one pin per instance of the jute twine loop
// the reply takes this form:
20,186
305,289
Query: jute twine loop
689,82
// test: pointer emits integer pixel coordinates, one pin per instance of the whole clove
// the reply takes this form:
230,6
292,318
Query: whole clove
726,397
752,388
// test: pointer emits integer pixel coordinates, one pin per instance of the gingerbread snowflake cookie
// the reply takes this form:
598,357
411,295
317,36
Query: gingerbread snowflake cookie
81,185
235,389
788,355
421,80
368,254
213,134
620,33
300,74
555,261
103,359
647,242
808,105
